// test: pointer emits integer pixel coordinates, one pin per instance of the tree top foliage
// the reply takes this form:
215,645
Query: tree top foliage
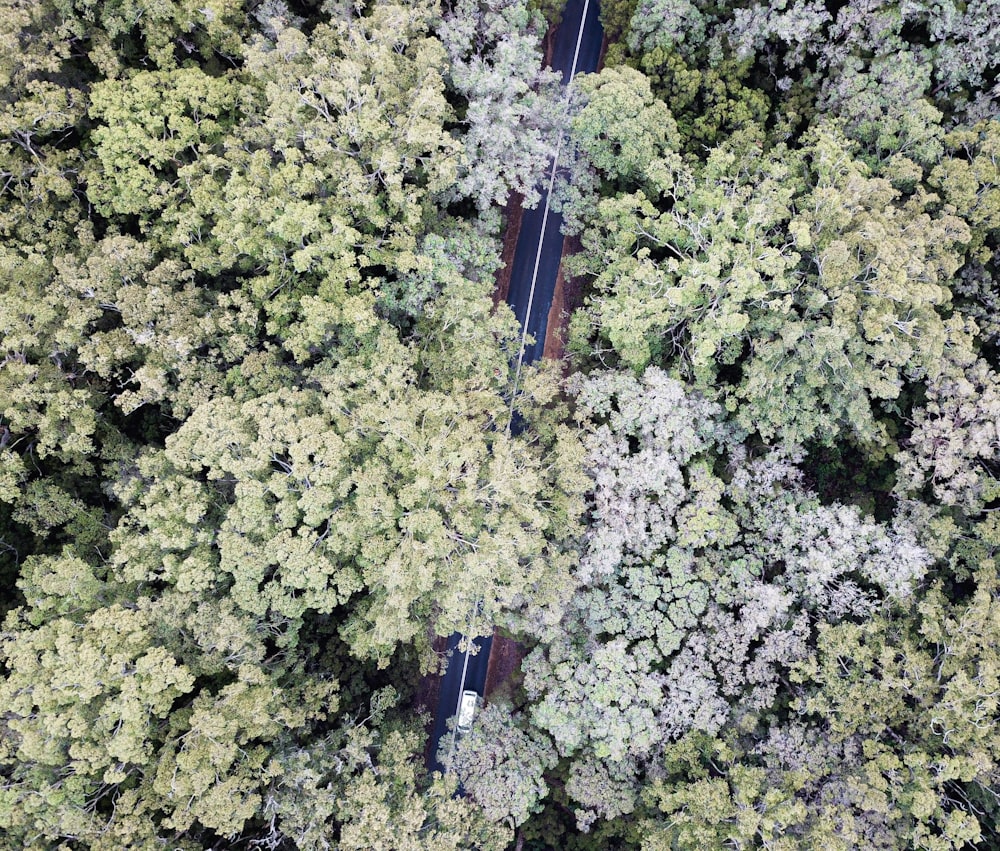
261,444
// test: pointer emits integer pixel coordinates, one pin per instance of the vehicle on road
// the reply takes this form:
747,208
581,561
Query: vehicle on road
467,711
576,49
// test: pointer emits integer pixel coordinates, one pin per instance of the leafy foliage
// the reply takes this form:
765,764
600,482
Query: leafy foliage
253,406
795,287
887,748
501,765
700,593
258,443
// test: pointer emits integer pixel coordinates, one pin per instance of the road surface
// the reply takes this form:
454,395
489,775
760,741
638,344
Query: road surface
464,671
524,274
532,284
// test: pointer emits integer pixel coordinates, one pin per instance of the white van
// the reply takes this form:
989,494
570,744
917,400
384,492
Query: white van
467,711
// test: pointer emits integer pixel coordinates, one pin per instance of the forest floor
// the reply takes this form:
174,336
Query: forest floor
506,656
512,216
566,298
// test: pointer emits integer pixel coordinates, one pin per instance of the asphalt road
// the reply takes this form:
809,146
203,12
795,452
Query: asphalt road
532,284
527,253
473,668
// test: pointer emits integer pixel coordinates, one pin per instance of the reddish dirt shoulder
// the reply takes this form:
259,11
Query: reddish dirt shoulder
506,656
568,296
512,215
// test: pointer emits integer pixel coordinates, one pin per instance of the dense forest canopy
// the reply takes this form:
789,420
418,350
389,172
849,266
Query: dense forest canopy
255,425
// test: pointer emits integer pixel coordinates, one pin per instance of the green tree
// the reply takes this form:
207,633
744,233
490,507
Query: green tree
128,33
361,484
954,442
147,127
88,696
887,744
699,593
795,287
385,806
825,48
501,765
623,131
514,109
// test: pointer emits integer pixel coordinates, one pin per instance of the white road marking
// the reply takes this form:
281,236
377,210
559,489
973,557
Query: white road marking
524,335
458,706
545,218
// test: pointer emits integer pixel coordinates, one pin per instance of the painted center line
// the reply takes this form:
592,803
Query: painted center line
524,335
545,218
458,705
